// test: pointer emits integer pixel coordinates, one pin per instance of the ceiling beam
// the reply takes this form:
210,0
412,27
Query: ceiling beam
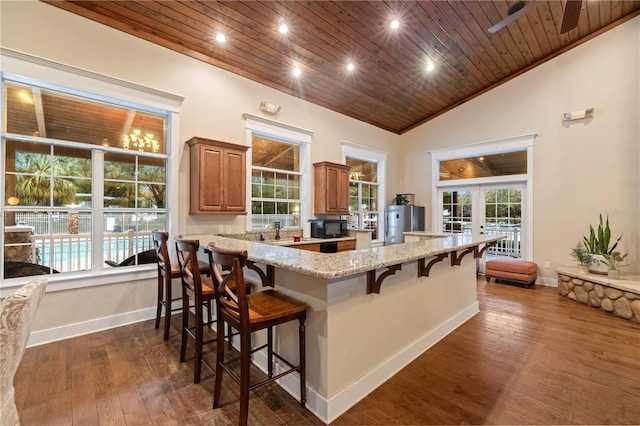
36,93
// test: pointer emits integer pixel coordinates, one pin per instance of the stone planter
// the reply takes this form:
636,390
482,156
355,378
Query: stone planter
593,291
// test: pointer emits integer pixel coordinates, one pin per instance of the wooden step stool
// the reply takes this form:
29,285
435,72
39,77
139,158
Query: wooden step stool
520,271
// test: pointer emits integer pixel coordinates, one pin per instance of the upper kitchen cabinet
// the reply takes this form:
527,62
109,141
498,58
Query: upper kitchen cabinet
331,188
218,177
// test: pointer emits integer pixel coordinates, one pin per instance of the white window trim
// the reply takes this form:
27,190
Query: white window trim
286,132
517,143
353,150
25,67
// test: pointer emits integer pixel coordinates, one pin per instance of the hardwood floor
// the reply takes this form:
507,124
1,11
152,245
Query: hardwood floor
529,357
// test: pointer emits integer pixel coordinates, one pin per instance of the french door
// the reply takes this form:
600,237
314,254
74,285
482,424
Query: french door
486,209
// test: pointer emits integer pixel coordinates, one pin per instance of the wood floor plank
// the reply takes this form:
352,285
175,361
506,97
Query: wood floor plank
106,395
27,365
529,357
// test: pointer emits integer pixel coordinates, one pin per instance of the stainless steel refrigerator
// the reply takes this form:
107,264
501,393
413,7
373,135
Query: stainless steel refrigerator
399,219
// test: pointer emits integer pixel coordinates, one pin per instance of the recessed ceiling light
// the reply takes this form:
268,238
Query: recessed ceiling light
221,38
430,66
297,71
283,28
351,66
395,24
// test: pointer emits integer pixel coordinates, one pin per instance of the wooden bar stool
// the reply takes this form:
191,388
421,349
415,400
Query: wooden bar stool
250,313
165,298
200,290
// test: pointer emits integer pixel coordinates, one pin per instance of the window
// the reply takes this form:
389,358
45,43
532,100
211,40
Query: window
363,195
484,166
366,187
85,179
275,183
280,173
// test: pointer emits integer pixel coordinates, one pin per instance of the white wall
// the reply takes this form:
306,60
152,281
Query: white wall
582,168
214,103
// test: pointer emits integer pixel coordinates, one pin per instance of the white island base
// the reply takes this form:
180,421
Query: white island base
371,311
356,341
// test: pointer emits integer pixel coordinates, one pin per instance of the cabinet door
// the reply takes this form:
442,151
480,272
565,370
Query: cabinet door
331,195
331,188
343,192
218,177
234,181
211,177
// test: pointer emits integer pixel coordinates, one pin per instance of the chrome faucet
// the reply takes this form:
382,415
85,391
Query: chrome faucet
276,226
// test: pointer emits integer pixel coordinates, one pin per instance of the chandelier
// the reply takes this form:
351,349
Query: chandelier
355,176
141,142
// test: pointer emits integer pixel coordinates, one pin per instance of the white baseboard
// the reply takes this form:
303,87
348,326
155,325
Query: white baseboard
41,337
68,331
330,409
551,282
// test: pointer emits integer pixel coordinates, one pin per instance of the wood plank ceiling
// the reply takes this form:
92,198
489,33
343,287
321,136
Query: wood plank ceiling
389,87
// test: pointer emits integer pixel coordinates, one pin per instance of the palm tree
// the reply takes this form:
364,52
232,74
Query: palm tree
34,187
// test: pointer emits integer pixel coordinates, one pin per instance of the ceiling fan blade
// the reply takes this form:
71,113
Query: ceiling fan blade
572,10
509,19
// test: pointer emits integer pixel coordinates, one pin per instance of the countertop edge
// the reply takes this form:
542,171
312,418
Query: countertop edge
338,265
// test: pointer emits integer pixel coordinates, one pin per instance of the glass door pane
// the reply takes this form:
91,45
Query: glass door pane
503,215
457,211
488,209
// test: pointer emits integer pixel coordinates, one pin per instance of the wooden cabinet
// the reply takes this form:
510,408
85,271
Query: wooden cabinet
345,245
217,177
310,247
331,191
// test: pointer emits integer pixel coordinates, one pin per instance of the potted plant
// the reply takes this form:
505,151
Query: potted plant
583,257
598,244
401,200
614,262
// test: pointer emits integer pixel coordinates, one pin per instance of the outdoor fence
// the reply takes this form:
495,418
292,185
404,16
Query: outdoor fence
73,252
509,246
60,223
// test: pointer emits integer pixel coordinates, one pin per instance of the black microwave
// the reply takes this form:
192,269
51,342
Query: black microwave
328,228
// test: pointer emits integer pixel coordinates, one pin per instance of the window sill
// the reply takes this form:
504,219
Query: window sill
82,279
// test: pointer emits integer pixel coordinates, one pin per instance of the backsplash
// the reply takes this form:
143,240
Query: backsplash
285,234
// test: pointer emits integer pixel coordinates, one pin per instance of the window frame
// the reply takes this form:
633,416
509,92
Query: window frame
48,74
261,126
380,158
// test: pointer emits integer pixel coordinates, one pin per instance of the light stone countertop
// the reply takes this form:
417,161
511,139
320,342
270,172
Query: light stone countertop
336,265
425,234
626,282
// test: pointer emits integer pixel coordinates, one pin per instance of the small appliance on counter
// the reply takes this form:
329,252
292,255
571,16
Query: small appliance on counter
400,219
328,228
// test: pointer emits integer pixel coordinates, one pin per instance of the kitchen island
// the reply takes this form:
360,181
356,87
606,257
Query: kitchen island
371,311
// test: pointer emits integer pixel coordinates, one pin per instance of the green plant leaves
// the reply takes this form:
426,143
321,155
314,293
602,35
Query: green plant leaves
600,242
